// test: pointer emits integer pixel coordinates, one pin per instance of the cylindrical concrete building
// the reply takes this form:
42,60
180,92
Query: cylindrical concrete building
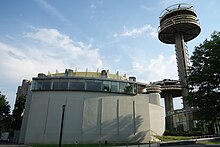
99,107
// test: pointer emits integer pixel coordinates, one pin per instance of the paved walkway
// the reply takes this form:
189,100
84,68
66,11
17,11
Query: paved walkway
154,145
8,144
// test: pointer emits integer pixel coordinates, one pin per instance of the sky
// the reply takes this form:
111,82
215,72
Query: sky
37,36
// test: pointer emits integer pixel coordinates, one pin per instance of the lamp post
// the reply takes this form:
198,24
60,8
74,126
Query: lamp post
61,125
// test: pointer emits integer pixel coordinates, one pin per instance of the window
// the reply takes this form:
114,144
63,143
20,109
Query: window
134,88
41,85
115,87
106,86
77,84
46,84
34,85
61,84
93,85
122,87
128,88
55,85
82,85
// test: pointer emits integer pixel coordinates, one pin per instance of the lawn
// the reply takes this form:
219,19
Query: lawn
210,142
173,138
73,145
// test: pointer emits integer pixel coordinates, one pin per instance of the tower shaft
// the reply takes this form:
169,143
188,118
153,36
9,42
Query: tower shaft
179,24
182,65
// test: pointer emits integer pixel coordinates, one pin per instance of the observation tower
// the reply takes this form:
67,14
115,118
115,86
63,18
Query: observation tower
178,25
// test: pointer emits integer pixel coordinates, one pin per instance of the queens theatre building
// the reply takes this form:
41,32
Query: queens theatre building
99,107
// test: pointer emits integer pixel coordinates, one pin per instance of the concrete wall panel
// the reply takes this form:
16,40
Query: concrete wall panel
91,117
37,118
126,120
157,119
142,123
72,128
109,116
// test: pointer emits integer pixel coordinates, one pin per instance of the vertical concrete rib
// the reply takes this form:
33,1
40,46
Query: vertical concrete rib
134,117
118,116
48,106
100,116
83,109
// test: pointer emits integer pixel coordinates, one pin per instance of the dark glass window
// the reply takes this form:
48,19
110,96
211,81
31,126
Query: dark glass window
115,87
82,84
98,85
135,88
93,85
77,84
106,86
39,85
55,85
46,84
34,85
63,85
128,88
123,87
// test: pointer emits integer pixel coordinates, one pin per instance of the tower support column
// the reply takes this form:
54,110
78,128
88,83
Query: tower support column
168,103
182,65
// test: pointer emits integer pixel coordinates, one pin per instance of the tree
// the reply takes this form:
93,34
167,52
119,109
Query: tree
204,80
4,113
17,112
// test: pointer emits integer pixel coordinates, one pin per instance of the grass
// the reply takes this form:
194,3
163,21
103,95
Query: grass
173,138
78,145
73,145
210,142
179,138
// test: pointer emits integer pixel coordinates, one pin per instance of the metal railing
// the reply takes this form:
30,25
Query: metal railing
181,6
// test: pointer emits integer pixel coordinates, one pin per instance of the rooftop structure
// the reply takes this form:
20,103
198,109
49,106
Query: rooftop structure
169,90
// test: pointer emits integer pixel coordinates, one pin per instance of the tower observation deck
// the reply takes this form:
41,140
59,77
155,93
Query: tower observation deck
178,25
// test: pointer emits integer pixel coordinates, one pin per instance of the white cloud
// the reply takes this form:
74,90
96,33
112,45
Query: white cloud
43,50
155,69
53,50
148,29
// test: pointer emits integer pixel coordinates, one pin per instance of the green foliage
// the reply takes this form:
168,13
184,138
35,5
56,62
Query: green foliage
73,145
204,80
4,113
184,133
210,142
17,112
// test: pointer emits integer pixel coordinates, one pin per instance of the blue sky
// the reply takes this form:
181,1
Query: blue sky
119,35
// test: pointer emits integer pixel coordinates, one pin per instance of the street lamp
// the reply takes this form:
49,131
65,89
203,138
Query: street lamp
61,125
